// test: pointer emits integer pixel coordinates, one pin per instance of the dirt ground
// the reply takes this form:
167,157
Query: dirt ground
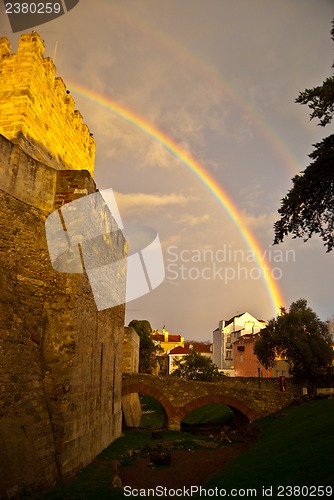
188,468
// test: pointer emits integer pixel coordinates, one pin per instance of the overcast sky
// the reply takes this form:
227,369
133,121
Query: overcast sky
219,79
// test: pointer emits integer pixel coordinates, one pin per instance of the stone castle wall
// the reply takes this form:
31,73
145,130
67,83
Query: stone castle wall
36,111
131,406
60,358
131,346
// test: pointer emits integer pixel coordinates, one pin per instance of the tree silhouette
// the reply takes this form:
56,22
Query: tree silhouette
308,208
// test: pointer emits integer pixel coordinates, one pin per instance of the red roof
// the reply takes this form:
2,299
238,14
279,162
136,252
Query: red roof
158,337
174,338
200,347
248,337
170,337
179,350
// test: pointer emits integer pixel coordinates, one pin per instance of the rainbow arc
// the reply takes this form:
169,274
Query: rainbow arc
199,171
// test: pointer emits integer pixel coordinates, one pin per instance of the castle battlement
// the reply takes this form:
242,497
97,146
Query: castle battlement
36,110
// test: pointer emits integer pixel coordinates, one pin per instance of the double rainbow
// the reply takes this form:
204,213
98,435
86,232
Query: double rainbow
199,171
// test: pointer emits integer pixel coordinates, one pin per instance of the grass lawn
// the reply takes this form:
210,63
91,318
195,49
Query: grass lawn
213,413
297,449
94,481
153,413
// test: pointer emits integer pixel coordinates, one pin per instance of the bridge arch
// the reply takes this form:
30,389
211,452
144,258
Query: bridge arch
140,388
243,414
178,397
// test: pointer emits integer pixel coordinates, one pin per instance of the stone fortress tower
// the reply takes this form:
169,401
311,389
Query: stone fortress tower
36,111
60,359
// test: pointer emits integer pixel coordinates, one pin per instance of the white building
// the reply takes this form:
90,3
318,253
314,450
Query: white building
227,333
178,352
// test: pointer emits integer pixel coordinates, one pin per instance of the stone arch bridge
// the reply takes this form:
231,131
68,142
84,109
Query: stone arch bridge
179,397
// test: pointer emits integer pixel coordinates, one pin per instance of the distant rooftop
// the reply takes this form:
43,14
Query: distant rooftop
170,337
179,350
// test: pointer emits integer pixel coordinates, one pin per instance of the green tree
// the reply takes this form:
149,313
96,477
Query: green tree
298,336
147,349
194,366
308,208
